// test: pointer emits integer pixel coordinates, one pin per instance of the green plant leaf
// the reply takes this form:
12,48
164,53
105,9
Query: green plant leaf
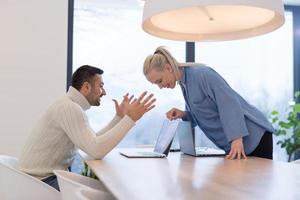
297,107
274,112
274,120
279,142
285,125
280,132
288,129
88,172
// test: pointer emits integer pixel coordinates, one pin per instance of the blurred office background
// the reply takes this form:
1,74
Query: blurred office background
36,48
108,34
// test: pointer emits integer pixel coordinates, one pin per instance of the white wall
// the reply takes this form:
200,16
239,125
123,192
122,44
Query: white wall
33,60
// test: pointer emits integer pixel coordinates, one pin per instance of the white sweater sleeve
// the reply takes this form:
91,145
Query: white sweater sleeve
74,122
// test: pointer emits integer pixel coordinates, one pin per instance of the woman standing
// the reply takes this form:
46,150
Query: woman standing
227,119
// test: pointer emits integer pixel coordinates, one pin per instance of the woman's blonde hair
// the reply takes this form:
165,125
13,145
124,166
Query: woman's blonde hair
159,59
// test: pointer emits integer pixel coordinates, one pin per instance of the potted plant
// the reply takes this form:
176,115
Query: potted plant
87,171
289,129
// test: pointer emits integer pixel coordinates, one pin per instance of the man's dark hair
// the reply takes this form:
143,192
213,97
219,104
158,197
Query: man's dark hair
83,74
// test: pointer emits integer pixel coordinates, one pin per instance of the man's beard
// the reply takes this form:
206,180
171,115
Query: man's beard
94,102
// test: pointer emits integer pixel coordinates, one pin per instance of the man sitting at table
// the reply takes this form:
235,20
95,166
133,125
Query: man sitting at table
64,127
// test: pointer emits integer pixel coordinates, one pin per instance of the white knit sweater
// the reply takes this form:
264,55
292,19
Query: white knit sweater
64,128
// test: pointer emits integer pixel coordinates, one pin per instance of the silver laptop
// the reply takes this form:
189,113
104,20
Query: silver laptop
162,146
186,136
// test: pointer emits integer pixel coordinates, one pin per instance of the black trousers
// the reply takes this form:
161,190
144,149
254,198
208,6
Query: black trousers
52,181
265,147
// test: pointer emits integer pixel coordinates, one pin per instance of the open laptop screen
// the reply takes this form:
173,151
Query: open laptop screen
162,146
187,142
165,137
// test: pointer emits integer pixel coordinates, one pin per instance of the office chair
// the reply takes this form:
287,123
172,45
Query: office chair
15,184
90,194
70,183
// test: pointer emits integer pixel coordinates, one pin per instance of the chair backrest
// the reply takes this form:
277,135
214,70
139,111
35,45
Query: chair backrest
70,183
90,194
15,185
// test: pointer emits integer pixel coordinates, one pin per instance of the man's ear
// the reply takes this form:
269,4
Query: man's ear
85,88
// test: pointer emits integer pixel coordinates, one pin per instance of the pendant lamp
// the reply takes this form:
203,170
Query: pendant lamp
211,20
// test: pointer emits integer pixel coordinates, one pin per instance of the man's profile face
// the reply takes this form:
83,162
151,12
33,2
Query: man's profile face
97,91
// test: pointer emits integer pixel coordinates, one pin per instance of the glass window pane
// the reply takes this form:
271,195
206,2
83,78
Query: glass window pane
259,68
108,34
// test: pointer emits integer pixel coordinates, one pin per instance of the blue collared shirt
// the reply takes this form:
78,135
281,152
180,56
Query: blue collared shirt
221,113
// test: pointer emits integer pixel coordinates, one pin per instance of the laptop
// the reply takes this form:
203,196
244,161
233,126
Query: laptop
162,146
186,136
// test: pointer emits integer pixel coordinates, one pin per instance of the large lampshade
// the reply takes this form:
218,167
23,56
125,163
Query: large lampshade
211,20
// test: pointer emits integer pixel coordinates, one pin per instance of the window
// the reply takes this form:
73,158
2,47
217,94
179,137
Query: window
108,34
259,68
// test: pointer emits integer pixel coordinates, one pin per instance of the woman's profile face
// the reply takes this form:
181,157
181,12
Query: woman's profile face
163,79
